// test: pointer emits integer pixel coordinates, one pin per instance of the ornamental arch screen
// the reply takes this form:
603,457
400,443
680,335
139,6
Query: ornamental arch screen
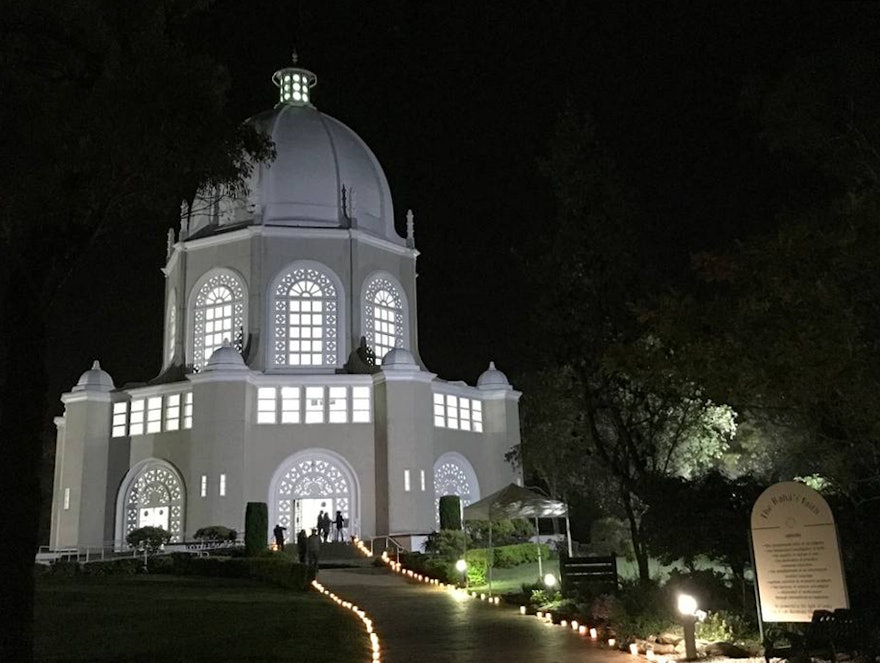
154,496
305,311
454,475
384,317
312,476
218,316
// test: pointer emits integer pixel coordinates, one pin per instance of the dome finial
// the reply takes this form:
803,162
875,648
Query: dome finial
294,83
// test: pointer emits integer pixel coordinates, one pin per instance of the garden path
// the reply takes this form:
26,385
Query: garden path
419,622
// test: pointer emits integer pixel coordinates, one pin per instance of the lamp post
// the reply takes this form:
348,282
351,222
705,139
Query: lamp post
461,567
687,606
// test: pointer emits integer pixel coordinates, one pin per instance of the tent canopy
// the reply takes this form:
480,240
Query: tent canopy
515,501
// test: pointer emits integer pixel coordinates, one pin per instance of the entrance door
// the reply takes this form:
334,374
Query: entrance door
153,517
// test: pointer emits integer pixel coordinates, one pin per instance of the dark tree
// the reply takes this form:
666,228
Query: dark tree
109,121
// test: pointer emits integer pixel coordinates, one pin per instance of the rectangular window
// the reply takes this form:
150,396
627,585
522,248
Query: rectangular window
67,499
422,479
360,405
266,405
204,491
154,414
136,418
222,485
406,485
172,412
477,414
451,411
464,413
120,418
314,405
439,411
337,405
290,405
188,410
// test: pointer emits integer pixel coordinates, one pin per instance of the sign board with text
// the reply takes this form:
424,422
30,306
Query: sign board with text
797,558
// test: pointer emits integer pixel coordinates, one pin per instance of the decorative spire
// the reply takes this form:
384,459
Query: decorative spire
294,84
410,229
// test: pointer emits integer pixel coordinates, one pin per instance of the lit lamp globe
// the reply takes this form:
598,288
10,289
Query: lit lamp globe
687,604
461,566
550,580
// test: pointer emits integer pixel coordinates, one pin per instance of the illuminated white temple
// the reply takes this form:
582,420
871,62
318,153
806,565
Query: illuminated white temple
291,369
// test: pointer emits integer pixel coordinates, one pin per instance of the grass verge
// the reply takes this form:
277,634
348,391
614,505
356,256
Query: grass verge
172,618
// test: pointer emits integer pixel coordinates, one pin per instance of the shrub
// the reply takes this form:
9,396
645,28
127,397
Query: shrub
256,528
216,533
450,512
150,539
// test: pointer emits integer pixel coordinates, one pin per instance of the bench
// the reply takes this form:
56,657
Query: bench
594,573
828,635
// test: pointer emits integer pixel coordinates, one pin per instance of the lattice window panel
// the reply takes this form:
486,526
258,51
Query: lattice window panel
317,478
156,487
305,322
384,317
218,317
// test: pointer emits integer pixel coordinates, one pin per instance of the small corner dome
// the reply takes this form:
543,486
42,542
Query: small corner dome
397,359
492,378
225,358
95,379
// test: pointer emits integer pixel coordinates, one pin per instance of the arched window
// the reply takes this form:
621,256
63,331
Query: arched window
152,495
218,315
454,475
383,317
305,322
171,327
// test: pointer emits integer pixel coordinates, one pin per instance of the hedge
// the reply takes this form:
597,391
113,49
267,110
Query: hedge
277,571
256,528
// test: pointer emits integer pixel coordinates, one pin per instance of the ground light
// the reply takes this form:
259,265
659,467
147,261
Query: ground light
687,606
376,652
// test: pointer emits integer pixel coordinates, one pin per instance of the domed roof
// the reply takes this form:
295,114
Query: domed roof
225,358
95,379
492,378
323,174
397,359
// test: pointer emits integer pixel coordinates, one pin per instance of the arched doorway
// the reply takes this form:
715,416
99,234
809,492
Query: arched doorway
309,482
454,475
152,494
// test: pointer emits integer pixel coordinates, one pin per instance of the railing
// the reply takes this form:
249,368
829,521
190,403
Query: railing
118,549
85,553
387,538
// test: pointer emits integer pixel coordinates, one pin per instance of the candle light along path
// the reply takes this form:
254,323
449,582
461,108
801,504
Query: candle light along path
591,634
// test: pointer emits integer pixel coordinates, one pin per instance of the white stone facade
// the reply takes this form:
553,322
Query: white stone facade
268,295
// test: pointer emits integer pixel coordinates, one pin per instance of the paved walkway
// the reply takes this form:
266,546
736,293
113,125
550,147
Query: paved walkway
422,623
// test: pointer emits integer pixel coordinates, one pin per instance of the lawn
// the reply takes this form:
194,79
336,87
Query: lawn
171,618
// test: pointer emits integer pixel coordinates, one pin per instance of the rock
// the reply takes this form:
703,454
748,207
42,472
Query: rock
726,649
667,639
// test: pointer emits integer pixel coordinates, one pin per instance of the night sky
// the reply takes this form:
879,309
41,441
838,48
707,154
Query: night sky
458,102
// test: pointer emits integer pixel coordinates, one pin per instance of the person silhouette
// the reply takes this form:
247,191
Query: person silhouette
279,536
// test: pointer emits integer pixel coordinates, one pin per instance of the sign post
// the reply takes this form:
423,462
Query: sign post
797,557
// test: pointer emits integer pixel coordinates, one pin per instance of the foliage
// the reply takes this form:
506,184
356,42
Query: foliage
256,526
725,626
216,533
707,515
450,512
448,544
150,539
543,598
505,531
